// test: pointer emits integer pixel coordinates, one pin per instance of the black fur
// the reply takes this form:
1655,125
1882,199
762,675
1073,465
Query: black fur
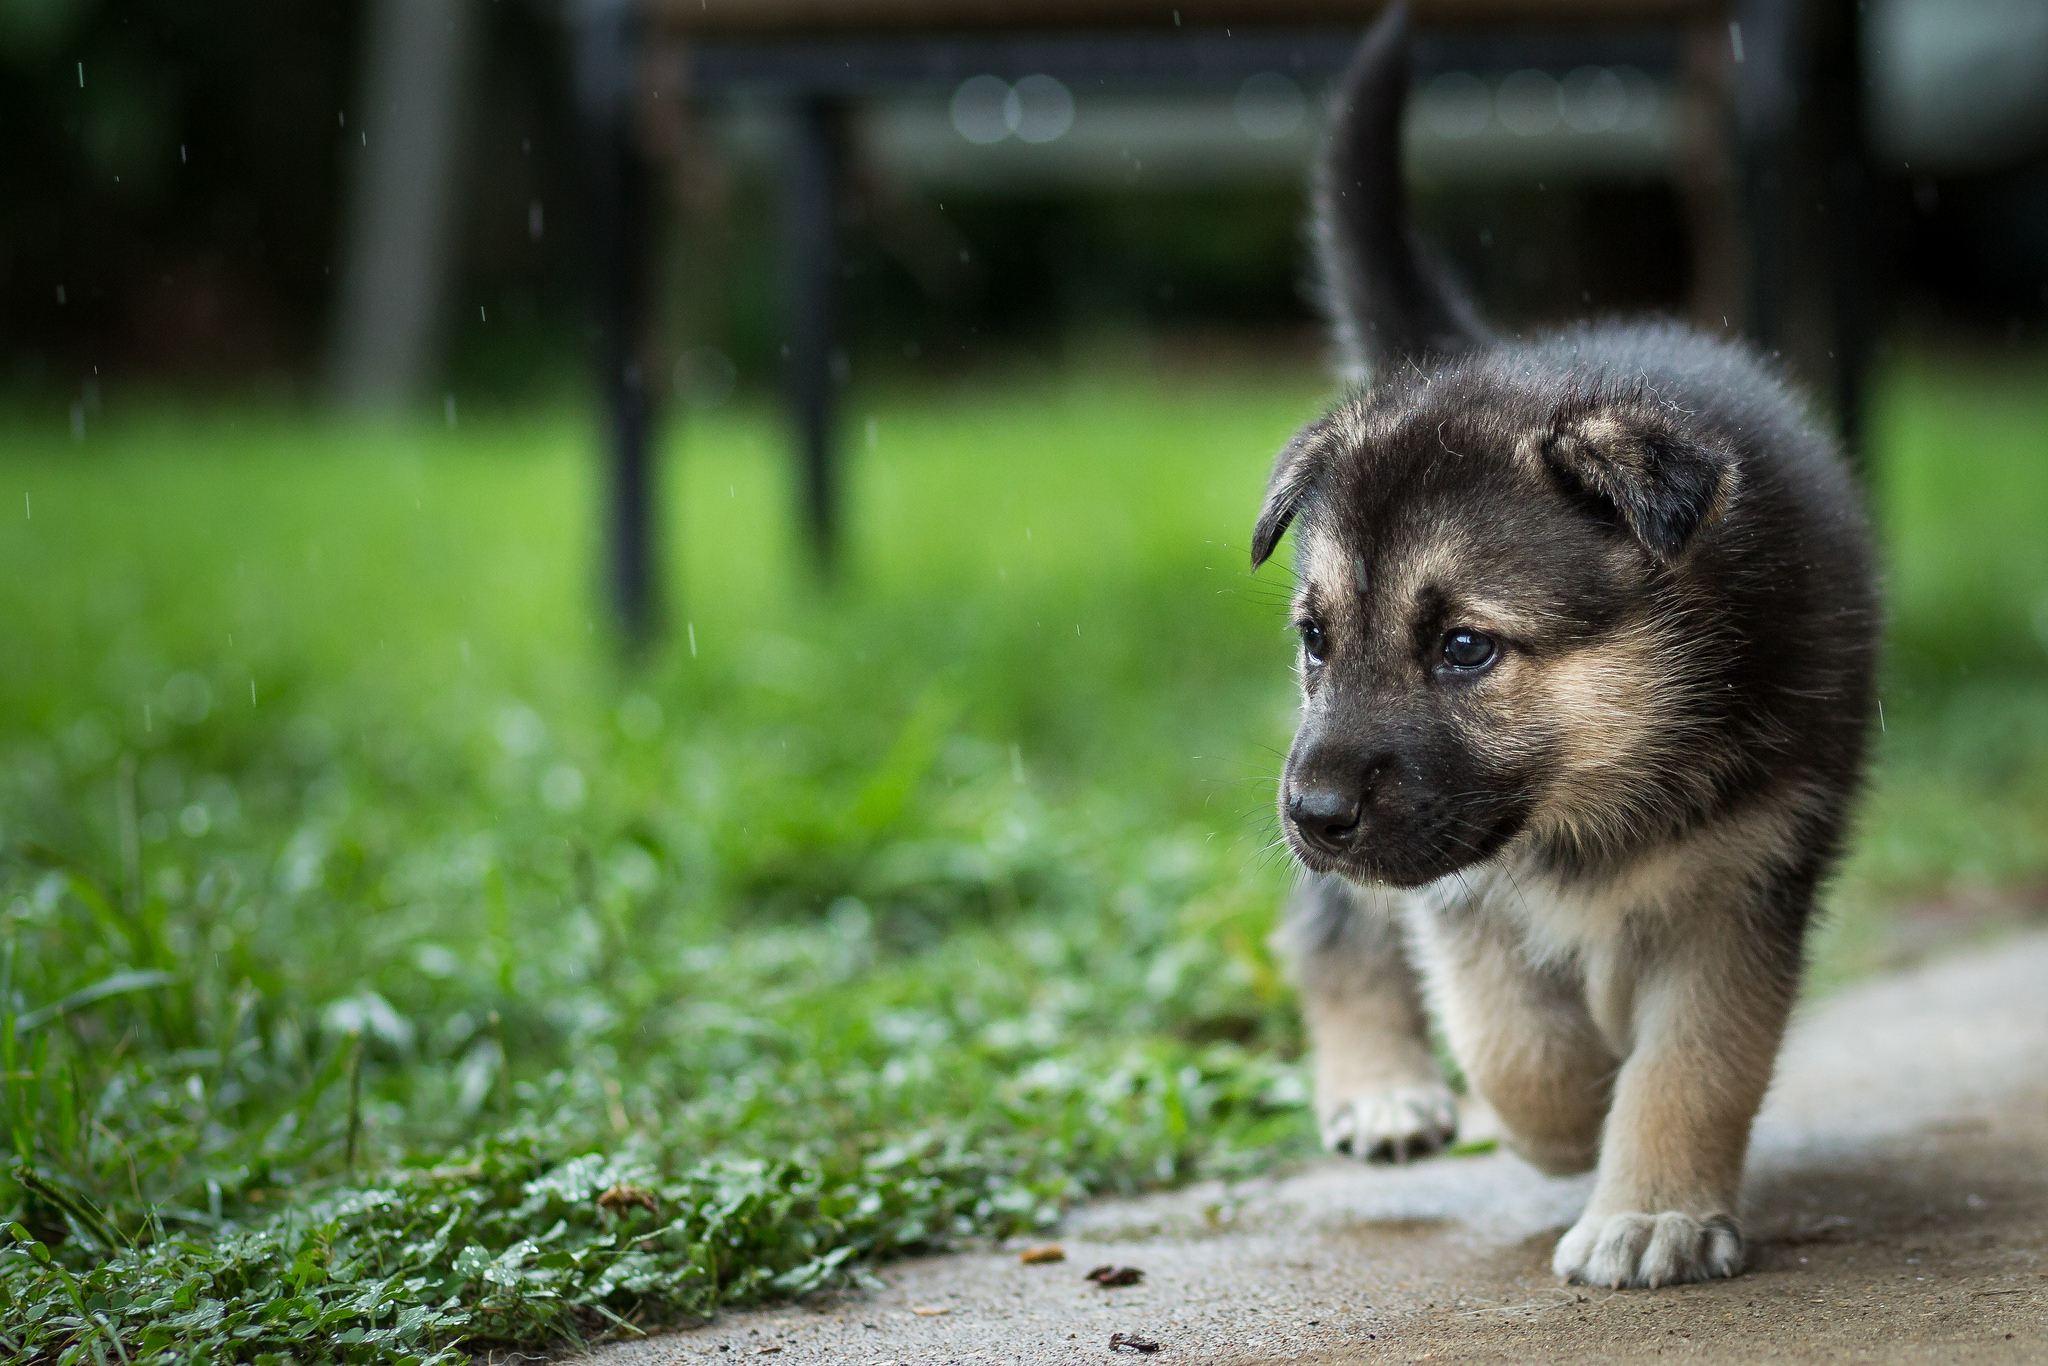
1610,478
1390,299
1588,634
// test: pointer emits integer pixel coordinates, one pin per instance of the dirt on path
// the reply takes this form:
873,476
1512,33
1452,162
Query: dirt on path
1898,1212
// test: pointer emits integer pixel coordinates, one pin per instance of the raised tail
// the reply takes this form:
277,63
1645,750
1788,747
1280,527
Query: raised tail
1388,298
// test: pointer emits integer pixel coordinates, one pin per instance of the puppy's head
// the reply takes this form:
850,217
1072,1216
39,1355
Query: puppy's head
1497,635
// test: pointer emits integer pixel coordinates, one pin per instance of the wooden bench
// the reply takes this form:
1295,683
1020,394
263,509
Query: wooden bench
1787,70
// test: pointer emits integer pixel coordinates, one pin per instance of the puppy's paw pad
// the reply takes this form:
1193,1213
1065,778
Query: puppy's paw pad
1397,1124
1642,1251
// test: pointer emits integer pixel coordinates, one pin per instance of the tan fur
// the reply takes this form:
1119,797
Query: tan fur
1589,623
1625,1022
1614,999
1379,1092
1521,1031
1633,1026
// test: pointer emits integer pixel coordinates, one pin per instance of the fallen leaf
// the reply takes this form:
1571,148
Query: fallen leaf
622,1195
1049,1252
1107,1276
1131,1342
931,1311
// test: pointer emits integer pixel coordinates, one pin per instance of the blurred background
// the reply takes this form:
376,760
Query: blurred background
668,581
192,181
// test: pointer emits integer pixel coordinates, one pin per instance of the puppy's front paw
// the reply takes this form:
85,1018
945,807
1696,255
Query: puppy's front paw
1643,1251
1396,1124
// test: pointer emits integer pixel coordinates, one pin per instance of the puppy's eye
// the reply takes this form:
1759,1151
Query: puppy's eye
1312,642
1469,650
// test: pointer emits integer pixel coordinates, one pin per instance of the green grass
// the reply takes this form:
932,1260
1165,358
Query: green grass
1957,811
889,914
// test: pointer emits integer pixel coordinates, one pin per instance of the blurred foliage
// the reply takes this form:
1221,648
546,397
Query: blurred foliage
180,173
172,171
348,875
386,969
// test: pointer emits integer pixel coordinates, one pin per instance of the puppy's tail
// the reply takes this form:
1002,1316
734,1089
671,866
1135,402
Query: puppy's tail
1387,296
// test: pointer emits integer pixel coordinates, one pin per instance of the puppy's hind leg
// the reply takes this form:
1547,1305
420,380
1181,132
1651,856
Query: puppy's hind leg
1379,1093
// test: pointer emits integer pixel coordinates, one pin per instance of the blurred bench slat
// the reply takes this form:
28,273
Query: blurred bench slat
817,18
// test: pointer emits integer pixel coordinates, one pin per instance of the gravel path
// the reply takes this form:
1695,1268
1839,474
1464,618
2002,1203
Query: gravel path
1898,1202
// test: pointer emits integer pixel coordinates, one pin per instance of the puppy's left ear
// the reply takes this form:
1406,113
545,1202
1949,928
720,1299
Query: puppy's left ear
1296,473
1664,481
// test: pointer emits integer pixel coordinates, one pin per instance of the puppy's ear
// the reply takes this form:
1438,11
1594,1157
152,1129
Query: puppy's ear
1664,481
1295,475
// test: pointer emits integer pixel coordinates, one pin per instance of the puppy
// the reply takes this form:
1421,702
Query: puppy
1587,629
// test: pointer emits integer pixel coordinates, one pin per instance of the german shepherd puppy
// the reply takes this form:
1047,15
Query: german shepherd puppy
1587,631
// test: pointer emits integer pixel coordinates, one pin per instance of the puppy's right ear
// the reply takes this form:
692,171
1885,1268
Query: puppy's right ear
1295,476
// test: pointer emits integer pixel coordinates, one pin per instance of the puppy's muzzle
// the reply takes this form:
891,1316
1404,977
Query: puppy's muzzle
1330,796
1326,817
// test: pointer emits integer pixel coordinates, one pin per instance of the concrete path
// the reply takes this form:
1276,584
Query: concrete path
1898,1204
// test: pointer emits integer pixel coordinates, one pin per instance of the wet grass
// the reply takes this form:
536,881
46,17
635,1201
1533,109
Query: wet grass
386,966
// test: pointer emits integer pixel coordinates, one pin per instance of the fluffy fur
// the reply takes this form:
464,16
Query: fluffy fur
1589,627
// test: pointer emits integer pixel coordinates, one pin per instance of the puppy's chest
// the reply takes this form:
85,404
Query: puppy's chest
1590,935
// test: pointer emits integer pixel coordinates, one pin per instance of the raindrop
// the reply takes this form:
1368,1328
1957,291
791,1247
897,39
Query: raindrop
1269,106
536,224
979,109
874,434
1529,103
448,409
195,820
1457,104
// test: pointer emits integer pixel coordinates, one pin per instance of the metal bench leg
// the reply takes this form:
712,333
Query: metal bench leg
1766,103
607,53
1799,102
1854,304
810,221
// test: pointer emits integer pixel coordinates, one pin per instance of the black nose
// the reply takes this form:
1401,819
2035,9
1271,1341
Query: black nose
1325,816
